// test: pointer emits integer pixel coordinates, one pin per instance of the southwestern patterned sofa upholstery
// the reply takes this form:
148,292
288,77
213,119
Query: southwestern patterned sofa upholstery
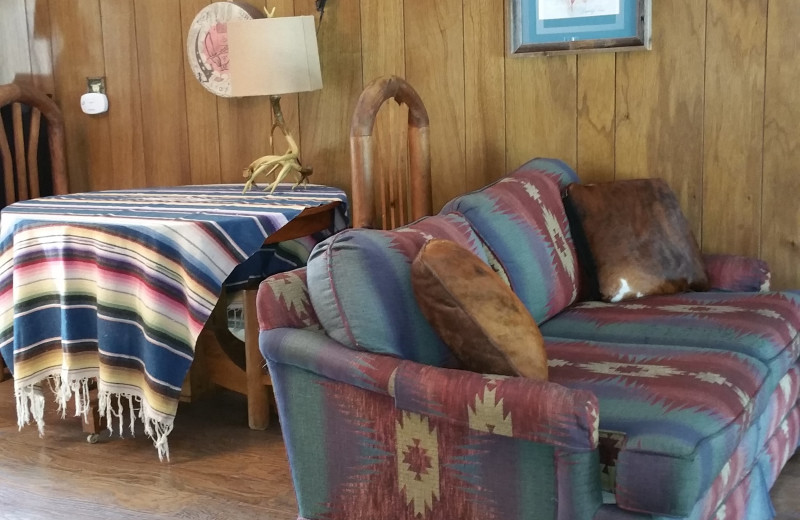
680,406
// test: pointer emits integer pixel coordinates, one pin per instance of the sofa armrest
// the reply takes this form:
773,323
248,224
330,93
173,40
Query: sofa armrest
373,436
536,411
319,354
737,273
516,407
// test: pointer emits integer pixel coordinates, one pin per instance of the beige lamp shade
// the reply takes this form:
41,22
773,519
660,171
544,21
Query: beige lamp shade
273,56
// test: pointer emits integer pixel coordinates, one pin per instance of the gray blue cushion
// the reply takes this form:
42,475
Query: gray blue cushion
522,222
360,287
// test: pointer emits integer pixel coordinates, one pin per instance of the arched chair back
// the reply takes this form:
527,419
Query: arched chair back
23,163
395,195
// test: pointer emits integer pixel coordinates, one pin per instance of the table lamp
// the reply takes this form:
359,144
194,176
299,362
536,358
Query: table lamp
274,56
234,54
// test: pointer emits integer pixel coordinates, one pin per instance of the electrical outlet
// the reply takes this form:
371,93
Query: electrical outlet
95,100
96,85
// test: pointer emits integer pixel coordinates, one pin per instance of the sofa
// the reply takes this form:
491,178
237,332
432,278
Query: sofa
667,406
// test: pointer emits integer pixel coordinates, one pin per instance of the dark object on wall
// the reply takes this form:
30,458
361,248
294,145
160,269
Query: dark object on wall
30,167
321,9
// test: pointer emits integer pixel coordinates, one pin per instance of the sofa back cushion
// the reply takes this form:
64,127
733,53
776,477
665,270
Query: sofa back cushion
360,287
555,169
522,222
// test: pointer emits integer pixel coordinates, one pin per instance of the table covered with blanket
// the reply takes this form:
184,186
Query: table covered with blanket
117,285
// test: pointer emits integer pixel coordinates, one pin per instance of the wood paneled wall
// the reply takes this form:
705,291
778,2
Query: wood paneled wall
713,108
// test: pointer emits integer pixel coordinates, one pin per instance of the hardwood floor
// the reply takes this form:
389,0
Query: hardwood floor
219,469
786,492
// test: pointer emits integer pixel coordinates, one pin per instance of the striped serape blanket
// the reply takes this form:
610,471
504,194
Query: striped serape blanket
117,285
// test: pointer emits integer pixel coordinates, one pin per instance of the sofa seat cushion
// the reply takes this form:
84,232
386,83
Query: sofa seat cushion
760,325
683,411
522,222
359,282
782,401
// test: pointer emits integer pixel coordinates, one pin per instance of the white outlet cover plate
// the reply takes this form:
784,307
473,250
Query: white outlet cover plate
94,103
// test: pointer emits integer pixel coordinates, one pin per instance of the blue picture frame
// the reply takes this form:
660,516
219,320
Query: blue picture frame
622,28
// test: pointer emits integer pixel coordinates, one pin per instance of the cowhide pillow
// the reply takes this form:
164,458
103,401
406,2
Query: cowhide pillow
475,313
638,239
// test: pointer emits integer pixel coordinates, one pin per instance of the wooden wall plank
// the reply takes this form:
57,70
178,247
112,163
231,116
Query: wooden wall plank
201,112
780,233
659,114
484,92
434,34
124,99
38,16
14,40
383,54
325,114
541,113
77,54
736,48
160,48
596,116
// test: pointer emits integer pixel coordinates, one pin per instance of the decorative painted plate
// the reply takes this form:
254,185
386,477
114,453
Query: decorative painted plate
207,43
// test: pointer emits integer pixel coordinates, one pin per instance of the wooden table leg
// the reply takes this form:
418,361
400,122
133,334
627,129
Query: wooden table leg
93,424
2,369
251,381
257,392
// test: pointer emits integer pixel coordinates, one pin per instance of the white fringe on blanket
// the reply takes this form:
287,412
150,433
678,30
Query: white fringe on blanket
30,407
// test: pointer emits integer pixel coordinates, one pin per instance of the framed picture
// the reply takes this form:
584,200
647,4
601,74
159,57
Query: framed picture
567,26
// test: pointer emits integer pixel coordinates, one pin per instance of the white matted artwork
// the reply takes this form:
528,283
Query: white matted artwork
545,27
560,9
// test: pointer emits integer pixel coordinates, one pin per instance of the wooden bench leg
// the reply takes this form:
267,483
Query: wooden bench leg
257,380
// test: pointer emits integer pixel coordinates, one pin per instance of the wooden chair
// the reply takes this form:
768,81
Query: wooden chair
19,155
21,110
394,199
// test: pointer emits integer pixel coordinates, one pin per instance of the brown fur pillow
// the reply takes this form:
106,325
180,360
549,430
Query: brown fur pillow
638,239
477,315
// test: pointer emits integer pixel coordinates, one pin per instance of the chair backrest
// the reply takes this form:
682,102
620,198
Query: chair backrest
394,191
22,107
